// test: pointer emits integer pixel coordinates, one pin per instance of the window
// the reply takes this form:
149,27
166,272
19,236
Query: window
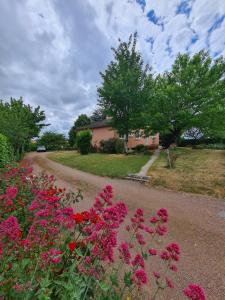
137,134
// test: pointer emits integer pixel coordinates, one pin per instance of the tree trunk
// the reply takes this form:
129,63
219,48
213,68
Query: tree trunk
126,143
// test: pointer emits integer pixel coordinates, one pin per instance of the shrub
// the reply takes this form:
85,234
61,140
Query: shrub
52,141
48,251
108,146
140,148
119,146
6,154
84,141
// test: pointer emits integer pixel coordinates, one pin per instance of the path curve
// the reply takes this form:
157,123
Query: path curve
194,222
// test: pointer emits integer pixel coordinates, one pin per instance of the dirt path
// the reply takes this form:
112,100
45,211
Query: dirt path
194,222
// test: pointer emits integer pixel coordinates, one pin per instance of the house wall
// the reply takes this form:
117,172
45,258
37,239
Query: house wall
103,133
106,133
151,141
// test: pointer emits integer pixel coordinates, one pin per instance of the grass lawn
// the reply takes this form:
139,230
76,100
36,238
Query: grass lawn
112,165
197,171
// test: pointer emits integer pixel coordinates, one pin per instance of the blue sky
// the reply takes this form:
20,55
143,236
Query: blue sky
52,51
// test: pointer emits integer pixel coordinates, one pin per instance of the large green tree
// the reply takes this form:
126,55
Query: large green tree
191,95
123,92
98,115
81,120
19,123
52,140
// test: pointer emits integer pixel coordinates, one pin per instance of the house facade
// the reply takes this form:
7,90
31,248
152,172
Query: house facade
101,130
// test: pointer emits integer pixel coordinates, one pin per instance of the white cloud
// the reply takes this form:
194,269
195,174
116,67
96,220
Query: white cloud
53,50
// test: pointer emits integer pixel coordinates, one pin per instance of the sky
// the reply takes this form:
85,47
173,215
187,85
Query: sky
51,51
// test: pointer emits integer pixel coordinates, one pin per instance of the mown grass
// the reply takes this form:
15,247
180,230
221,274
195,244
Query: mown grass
196,171
112,165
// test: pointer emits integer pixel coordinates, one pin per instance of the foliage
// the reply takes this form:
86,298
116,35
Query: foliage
82,120
32,146
140,148
111,165
125,86
190,96
6,154
119,146
98,115
19,123
72,136
84,141
52,140
48,251
108,146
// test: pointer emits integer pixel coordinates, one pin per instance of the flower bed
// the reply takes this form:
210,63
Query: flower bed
50,251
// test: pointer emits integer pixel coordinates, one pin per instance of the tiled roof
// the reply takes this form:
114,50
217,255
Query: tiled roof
98,124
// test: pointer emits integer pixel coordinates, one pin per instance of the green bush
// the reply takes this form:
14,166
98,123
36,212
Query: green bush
53,141
108,146
140,148
84,141
119,146
5,151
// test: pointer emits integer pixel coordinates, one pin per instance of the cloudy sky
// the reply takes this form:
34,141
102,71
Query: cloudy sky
51,51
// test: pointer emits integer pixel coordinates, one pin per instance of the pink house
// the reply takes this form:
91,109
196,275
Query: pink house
101,130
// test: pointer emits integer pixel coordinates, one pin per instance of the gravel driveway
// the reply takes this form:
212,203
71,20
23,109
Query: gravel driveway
196,222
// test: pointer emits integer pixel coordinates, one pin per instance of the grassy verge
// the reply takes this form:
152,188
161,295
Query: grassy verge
197,171
112,165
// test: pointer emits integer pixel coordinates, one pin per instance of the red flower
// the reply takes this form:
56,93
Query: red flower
72,246
78,218
152,251
86,215
95,218
194,292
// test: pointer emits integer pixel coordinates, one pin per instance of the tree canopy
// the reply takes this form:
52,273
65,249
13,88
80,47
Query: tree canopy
52,140
81,120
98,115
19,123
125,84
190,96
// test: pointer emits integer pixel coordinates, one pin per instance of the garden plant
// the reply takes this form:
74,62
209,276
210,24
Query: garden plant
49,250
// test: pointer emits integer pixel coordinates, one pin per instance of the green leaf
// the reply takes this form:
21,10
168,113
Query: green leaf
104,286
25,262
114,279
127,279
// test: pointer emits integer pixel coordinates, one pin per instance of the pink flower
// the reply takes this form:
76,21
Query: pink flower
154,220
9,228
152,251
169,283
124,252
149,230
163,214
161,230
138,261
11,192
140,239
140,277
173,268
174,251
165,255
156,275
194,292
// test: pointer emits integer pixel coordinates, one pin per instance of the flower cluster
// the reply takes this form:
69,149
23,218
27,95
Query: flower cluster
49,250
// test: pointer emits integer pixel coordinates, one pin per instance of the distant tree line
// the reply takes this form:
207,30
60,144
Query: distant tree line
19,123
